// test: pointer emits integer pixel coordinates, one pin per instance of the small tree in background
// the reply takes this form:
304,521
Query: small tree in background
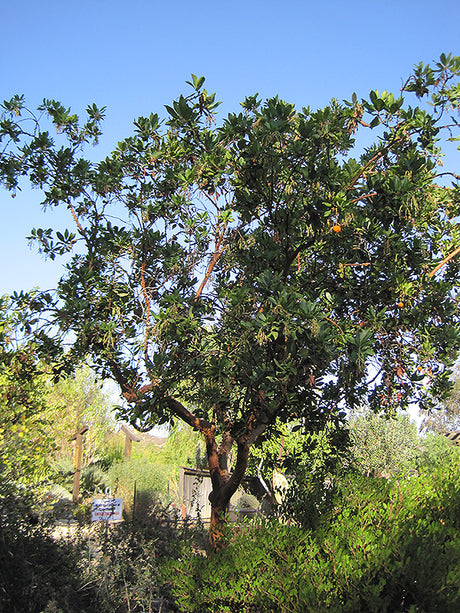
382,446
445,418
75,401
258,270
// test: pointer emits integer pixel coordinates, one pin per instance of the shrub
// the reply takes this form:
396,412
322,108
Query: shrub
383,445
436,450
386,547
93,480
37,573
124,576
110,568
111,451
151,483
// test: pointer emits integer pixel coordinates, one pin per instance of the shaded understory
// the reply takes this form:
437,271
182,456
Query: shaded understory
378,546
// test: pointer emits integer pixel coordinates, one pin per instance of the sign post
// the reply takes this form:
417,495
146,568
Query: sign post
107,509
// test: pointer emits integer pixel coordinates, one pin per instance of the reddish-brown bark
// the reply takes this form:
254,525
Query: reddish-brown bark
224,481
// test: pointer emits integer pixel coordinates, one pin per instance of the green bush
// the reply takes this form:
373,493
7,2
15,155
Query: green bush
93,479
436,450
108,568
386,547
124,575
37,573
111,451
383,445
149,480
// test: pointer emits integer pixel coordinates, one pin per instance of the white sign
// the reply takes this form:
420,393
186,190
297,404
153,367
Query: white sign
107,509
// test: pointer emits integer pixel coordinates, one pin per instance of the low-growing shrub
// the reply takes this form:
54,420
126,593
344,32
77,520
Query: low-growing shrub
380,546
124,574
94,569
93,479
146,482
37,572
385,547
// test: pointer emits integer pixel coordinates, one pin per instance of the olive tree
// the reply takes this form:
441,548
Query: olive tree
233,272
446,418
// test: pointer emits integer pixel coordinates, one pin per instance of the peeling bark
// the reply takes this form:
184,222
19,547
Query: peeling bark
224,483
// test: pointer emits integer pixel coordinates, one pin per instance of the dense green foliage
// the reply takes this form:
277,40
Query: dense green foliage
39,415
26,443
384,446
383,547
37,573
263,269
263,272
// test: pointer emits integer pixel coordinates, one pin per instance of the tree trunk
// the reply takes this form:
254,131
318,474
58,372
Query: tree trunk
218,523
224,483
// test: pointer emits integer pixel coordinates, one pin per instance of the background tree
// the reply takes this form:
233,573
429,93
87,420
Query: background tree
445,418
257,270
76,401
26,444
382,446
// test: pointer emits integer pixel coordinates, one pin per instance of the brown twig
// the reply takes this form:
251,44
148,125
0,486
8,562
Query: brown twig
376,157
364,197
445,260
334,323
147,305
74,215
217,253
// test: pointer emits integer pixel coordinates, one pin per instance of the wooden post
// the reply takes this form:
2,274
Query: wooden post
78,454
129,438
183,508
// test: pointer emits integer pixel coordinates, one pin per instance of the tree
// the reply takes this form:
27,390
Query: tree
76,401
258,270
381,446
38,415
26,446
446,418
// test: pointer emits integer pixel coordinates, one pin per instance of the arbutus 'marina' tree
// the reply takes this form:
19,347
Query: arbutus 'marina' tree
259,270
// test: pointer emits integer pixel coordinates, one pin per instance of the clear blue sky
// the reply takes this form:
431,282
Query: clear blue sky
133,56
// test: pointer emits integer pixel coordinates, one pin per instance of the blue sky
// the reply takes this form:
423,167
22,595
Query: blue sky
134,56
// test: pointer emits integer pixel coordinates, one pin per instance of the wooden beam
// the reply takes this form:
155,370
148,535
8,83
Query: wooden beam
129,438
454,437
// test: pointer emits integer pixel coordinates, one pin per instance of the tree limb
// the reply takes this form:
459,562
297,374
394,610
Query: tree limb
445,260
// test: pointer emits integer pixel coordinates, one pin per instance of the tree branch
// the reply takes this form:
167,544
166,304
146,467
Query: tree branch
370,163
445,260
217,253
223,453
180,411
239,470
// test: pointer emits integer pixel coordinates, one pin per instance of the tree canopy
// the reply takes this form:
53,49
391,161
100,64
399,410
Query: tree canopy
267,267
26,444
446,419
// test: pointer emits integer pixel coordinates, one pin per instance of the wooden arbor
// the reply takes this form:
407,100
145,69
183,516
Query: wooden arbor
129,438
78,454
